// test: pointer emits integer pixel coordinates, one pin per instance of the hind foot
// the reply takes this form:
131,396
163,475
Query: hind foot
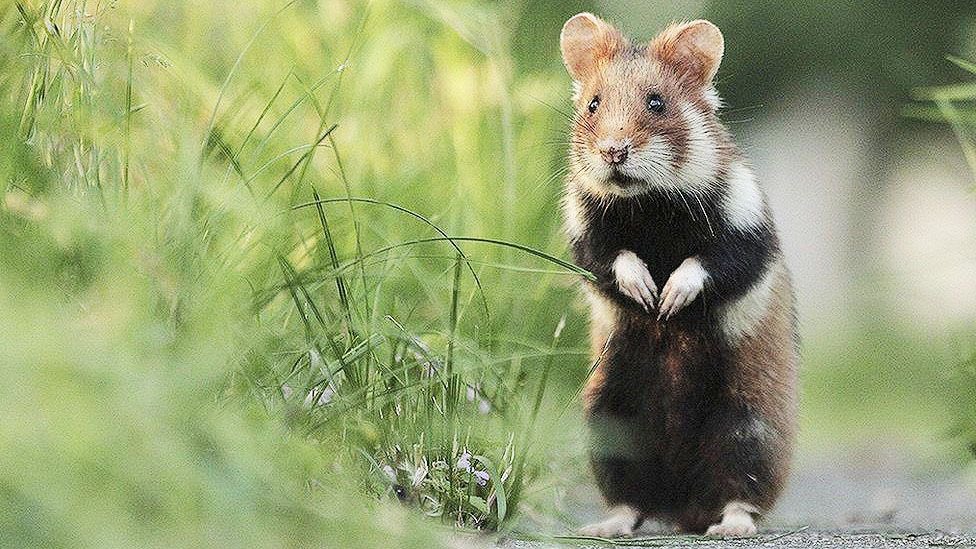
736,522
622,522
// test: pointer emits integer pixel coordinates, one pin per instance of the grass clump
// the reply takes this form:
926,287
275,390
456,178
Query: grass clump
257,283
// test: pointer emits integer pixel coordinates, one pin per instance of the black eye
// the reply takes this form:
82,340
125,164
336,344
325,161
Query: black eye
655,103
594,104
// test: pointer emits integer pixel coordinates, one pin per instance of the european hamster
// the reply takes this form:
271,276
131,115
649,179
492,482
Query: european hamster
692,404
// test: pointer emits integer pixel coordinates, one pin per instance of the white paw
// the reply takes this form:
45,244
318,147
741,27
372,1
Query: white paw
610,528
620,523
733,530
634,280
683,286
736,521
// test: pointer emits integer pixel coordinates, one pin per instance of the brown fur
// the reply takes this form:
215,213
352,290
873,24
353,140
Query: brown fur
695,49
587,41
764,375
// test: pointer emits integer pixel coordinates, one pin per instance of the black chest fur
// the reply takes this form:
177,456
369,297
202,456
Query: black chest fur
672,370
662,229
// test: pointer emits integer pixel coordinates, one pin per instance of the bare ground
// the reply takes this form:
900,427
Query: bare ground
867,499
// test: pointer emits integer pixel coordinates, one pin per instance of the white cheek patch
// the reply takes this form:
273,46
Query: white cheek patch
577,90
591,174
651,163
701,159
743,202
712,98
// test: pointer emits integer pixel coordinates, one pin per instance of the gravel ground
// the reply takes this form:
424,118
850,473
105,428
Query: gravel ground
870,538
866,499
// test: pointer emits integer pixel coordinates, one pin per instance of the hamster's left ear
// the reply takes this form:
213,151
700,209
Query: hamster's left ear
694,49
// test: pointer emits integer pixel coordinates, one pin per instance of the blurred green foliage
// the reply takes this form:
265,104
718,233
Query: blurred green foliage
229,313
955,105
197,349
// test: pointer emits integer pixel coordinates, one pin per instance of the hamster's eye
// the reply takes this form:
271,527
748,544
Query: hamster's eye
594,104
655,103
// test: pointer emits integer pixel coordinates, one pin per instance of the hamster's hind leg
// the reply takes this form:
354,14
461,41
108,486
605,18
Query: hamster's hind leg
736,521
621,522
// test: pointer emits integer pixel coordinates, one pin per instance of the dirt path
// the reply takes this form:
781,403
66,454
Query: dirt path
867,499
782,539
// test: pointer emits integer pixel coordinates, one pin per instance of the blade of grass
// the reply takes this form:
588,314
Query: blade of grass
127,129
518,467
453,394
334,260
257,122
309,93
501,500
233,70
301,161
355,224
954,92
962,63
291,280
968,148
786,534
570,267
426,221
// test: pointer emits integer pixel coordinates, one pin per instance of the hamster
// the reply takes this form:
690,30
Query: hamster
691,406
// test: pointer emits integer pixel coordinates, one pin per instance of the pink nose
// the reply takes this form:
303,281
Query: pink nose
614,155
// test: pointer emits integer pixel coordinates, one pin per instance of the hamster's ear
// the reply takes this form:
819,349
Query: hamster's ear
585,41
694,49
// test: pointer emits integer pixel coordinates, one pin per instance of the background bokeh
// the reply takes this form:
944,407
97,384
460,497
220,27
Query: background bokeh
206,339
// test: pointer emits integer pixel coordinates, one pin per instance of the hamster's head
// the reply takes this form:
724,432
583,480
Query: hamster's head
645,115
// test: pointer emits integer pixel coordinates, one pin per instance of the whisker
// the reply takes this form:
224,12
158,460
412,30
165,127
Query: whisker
707,222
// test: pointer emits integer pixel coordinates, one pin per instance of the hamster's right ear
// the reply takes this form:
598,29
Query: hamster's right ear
585,41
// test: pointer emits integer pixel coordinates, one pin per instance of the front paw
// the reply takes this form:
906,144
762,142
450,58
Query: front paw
634,280
683,286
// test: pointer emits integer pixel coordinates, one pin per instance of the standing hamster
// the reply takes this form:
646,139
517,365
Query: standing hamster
692,405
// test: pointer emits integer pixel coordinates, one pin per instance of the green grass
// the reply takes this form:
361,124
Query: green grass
263,276
268,269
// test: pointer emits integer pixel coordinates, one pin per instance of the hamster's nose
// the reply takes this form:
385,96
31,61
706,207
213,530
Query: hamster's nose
615,154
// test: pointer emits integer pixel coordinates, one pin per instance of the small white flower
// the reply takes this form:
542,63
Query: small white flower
420,473
464,462
323,399
481,477
314,359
